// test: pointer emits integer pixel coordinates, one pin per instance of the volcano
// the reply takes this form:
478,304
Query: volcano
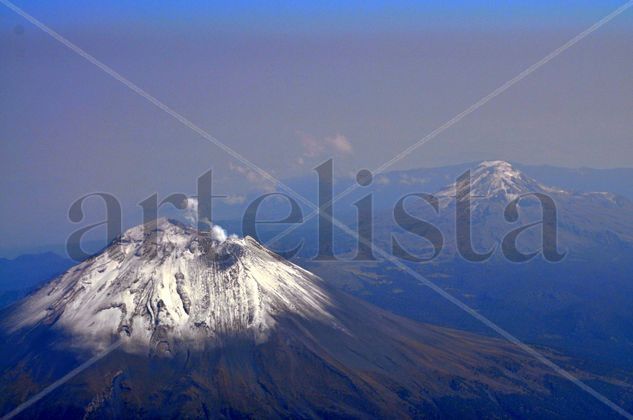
227,328
588,224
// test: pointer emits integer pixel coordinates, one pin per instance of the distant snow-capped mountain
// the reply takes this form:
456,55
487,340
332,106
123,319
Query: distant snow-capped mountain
587,223
495,180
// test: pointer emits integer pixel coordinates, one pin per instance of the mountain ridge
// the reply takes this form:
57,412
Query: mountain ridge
353,361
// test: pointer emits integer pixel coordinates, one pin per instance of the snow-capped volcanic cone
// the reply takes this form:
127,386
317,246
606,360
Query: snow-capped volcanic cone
229,329
495,180
165,283
585,223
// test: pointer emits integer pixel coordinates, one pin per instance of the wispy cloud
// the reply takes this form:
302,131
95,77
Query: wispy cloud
340,143
334,145
191,210
407,179
255,179
234,199
218,233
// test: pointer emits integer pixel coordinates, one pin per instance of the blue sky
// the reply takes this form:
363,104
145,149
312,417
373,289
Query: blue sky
324,16
288,84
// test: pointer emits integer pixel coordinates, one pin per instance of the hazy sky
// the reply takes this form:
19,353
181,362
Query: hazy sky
287,84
